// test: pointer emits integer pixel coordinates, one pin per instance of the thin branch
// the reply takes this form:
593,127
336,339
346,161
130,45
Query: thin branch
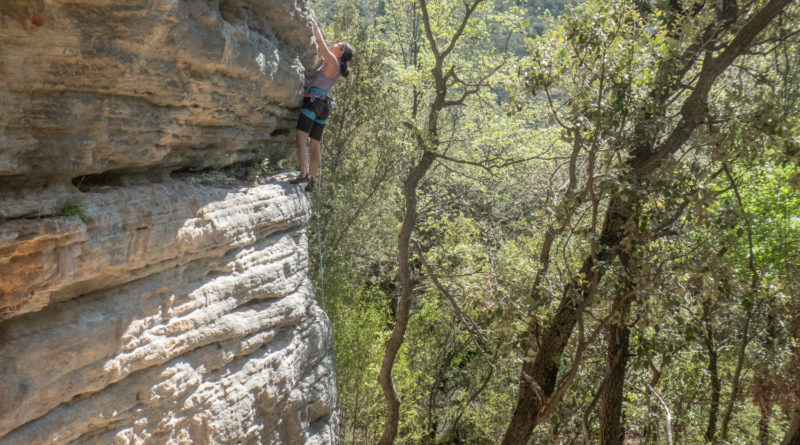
755,277
477,86
566,381
663,228
587,439
467,14
561,389
426,21
487,164
666,410
754,285
474,334
474,395
553,109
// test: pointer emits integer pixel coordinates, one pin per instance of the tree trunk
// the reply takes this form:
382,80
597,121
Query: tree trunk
792,436
406,298
612,431
763,428
713,371
428,144
538,378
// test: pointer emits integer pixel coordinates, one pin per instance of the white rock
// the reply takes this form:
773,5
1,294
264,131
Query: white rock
179,313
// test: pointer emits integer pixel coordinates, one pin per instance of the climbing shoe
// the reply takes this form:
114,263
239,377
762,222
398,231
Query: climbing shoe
299,180
310,185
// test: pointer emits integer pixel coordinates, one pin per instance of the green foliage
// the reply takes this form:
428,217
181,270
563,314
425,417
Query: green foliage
359,319
447,381
71,209
591,79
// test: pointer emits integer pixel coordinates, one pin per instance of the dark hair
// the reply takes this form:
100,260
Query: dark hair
347,54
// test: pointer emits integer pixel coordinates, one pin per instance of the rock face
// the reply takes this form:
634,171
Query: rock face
91,86
143,300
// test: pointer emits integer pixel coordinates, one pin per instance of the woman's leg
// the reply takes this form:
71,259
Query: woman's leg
302,158
314,150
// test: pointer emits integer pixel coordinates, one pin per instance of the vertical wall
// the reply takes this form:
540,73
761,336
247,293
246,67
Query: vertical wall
146,296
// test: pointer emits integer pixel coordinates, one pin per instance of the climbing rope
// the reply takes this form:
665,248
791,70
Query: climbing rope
318,215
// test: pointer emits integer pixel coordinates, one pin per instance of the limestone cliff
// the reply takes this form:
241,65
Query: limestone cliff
146,296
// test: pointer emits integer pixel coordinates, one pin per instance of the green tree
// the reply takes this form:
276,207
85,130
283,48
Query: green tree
624,231
643,114
450,30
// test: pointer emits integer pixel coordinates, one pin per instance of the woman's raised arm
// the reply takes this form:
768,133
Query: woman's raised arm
331,62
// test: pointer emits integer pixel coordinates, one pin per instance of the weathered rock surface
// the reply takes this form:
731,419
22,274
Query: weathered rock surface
143,300
131,233
176,312
89,86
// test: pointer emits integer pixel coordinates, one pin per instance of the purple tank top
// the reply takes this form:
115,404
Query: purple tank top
322,81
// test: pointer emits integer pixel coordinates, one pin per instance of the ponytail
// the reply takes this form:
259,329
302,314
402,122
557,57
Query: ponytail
347,55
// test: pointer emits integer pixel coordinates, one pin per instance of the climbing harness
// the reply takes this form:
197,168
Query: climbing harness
317,105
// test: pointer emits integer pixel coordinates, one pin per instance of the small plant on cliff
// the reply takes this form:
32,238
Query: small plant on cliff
71,209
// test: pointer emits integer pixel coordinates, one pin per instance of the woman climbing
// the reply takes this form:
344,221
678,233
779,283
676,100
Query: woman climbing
317,104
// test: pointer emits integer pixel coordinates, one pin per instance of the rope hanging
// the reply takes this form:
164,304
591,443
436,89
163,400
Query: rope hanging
318,215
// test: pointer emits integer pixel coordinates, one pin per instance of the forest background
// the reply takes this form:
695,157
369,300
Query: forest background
563,224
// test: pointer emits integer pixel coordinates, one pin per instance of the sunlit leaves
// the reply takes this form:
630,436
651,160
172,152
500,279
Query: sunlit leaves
601,81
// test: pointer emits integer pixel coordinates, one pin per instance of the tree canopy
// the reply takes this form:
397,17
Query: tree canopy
556,223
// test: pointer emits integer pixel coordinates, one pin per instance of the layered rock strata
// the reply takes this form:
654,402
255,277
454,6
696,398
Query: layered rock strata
145,295
177,312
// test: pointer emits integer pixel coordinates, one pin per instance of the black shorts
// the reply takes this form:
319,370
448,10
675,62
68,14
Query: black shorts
308,125
314,115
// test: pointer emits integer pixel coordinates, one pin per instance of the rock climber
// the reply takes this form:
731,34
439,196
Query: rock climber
317,105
